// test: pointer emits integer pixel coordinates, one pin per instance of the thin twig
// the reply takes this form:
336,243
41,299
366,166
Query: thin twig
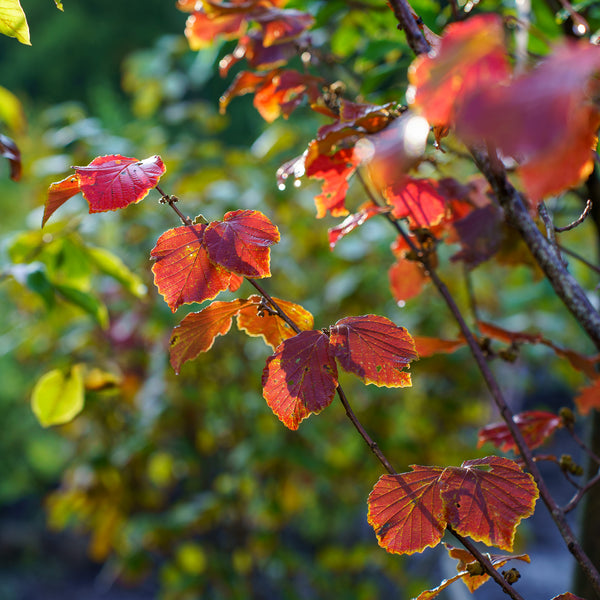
586,211
578,257
550,229
583,446
581,493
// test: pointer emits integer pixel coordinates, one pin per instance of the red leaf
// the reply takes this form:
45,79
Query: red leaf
588,398
201,30
283,25
487,498
567,596
9,150
373,348
300,378
235,282
406,510
428,346
58,193
407,279
197,332
255,321
115,181
549,120
418,200
535,425
335,170
351,222
471,56
240,242
183,272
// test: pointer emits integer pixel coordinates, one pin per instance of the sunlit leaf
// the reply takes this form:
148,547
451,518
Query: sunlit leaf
300,378
406,510
58,399
240,242
588,398
283,25
115,181
487,498
535,425
183,271
201,30
375,349
10,151
58,193
351,222
13,22
407,279
256,321
197,332
428,346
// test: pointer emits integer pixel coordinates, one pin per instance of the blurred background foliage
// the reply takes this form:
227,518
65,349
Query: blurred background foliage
190,482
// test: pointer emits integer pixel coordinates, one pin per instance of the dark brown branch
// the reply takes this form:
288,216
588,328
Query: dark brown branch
408,21
586,211
581,493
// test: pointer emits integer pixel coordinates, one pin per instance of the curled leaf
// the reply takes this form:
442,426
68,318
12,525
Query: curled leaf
58,193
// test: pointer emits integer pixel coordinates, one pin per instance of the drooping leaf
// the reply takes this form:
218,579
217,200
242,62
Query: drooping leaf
86,300
111,265
407,279
351,222
300,378
256,321
535,425
13,22
487,498
10,151
115,181
197,332
183,271
588,398
374,348
428,346
406,510
240,242
58,193
58,399
471,56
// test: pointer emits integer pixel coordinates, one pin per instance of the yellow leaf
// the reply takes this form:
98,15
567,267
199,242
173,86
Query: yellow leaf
57,399
11,111
13,22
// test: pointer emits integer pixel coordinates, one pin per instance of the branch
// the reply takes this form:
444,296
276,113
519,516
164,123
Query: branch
409,22
586,211
579,495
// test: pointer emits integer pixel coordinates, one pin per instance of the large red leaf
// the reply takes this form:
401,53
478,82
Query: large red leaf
255,320
197,332
373,348
406,510
471,56
115,181
183,272
300,378
487,498
240,242
535,425
58,193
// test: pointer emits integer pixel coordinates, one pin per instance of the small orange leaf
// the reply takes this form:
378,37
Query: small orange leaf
588,398
407,279
201,30
374,348
300,378
428,346
58,193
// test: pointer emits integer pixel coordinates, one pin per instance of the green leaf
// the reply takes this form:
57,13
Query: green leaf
114,267
87,301
57,399
59,5
13,22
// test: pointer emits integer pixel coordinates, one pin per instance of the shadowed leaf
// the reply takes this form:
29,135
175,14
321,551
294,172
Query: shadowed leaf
428,346
588,398
9,150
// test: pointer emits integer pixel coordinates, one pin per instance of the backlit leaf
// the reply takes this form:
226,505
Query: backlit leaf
201,30
471,56
115,181
351,222
535,425
183,271
428,346
197,332
58,399
418,200
406,510
58,193
373,348
240,242
487,498
283,25
10,151
300,378
588,398
407,279
272,328
13,22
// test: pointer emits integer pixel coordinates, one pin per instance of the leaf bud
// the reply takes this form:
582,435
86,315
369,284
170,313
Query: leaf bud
200,220
566,464
567,416
475,569
511,576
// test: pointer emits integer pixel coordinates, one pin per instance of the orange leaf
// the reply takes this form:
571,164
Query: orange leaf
588,398
418,200
183,272
471,56
300,378
535,425
58,193
197,332
373,348
201,30
406,510
487,498
272,328
240,242
407,279
115,181
428,346
283,25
